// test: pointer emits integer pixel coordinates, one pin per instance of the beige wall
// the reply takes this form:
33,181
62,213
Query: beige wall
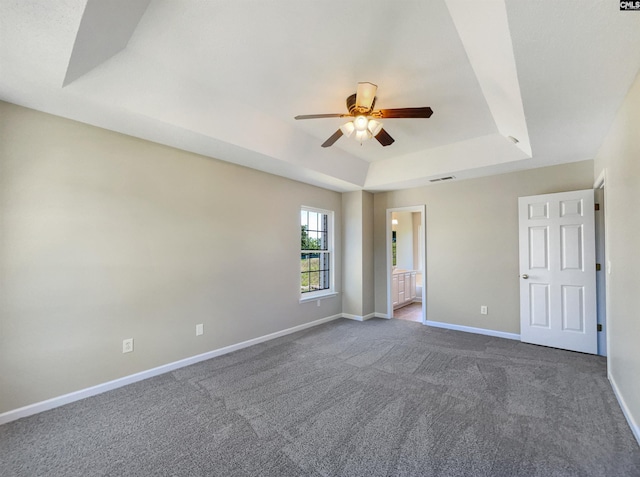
416,240
368,294
352,286
619,158
105,237
357,270
404,240
472,242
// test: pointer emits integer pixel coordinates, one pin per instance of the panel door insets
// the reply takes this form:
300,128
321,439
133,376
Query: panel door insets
538,247
539,300
573,308
571,256
539,211
557,270
571,208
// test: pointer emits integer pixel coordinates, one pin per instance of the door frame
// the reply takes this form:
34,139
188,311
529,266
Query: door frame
600,183
423,259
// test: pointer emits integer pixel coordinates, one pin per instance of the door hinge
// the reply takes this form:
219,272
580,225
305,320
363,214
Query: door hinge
598,267
599,327
597,206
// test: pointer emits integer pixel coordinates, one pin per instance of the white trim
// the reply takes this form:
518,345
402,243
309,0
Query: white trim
382,315
349,316
600,181
331,291
471,329
317,297
58,401
635,429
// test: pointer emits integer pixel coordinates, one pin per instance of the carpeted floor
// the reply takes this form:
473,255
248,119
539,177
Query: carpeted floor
379,398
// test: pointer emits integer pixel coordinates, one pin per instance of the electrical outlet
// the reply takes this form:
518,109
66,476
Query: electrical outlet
127,345
199,329
484,310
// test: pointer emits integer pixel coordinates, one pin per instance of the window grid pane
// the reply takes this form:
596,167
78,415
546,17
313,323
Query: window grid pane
315,259
315,231
314,270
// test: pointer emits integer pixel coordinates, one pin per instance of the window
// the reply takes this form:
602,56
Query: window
394,249
316,252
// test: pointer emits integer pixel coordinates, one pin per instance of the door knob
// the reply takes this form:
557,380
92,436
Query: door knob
525,276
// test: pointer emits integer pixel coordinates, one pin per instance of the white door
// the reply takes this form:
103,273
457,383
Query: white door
558,271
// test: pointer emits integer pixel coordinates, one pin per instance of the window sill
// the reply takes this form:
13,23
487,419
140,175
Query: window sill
306,299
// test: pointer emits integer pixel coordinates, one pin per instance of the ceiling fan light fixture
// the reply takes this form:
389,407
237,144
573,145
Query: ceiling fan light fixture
363,128
374,127
361,123
348,128
362,136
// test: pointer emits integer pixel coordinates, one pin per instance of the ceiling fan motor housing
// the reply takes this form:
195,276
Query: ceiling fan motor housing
355,110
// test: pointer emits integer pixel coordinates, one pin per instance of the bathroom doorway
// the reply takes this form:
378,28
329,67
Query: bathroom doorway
406,270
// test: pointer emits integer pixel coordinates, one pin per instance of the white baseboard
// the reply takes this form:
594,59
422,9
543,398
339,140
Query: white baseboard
358,317
133,378
635,429
382,315
471,329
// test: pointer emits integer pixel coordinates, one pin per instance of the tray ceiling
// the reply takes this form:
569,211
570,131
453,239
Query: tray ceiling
225,79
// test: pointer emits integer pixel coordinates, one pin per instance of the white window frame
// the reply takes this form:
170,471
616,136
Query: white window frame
315,295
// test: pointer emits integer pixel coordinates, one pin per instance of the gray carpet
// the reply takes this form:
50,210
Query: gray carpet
380,398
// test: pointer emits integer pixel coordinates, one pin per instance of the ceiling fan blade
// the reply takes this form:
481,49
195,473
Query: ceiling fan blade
425,112
384,138
318,116
365,94
335,136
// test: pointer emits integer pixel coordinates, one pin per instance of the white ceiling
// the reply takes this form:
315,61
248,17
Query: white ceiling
225,79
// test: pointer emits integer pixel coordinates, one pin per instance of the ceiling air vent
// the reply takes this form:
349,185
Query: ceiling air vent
439,179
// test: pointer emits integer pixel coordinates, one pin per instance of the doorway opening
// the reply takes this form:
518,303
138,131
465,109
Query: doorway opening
406,263
603,269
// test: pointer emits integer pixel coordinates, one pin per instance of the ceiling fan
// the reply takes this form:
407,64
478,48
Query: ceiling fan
365,123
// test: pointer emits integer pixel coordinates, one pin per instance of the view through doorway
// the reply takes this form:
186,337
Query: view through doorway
411,312
406,280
